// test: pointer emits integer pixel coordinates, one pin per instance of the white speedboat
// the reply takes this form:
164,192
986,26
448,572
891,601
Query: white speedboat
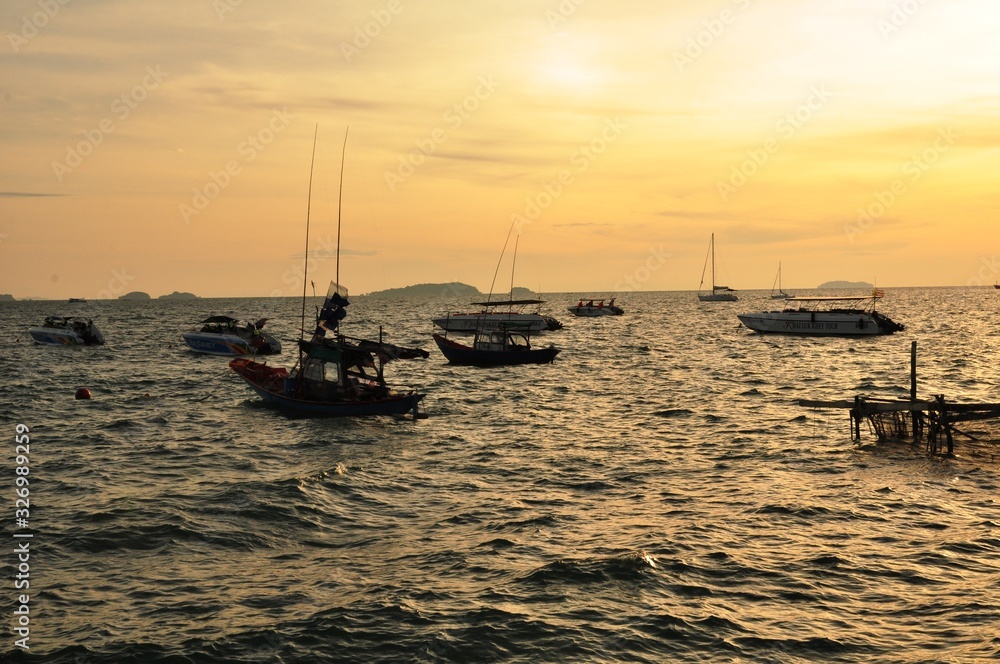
491,318
67,331
844,316
224,335
593,310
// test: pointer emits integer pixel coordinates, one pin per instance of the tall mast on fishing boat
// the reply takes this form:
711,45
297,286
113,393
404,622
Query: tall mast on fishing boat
340,203
305,259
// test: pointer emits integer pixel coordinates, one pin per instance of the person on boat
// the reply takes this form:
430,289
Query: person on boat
580,303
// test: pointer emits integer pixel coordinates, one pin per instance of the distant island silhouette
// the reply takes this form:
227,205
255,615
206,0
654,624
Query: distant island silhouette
846,284
452,289
135,295
5,297
178,296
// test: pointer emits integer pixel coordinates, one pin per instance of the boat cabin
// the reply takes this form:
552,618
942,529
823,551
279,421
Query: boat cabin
501,341
337,372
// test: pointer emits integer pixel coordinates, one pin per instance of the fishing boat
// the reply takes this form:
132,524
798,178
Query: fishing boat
845,316
497,315
593,310
498,341
778,294
225,335
509,345
719,293
335,375
67,331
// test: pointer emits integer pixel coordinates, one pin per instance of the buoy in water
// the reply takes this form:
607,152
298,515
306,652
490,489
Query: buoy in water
83,393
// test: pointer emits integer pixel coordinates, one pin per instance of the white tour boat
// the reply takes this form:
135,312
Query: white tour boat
844,316
497,316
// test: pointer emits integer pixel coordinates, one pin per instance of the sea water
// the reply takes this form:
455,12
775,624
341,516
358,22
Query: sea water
655,495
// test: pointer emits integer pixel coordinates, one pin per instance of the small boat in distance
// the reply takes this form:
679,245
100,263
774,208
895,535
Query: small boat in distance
719,293
496,315
845,316
494,348
600,309
225,335
779,294
67,331
77,300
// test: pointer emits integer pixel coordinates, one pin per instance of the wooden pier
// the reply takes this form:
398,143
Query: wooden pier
912,419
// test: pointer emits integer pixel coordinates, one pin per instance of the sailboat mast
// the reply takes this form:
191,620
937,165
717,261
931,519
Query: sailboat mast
499,261
512,264
305,266
713,262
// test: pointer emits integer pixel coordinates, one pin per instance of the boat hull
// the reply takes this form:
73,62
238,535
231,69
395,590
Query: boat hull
819,323
593,312
492,321
718,297
66,336
268,383
228,344
457,353
51,336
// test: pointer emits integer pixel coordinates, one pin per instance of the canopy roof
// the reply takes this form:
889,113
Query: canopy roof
831,298
500,303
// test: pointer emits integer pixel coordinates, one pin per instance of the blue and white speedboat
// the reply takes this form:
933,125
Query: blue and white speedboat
224,335
67,331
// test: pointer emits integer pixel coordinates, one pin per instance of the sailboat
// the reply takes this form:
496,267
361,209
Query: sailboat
778,294
335,375
719,293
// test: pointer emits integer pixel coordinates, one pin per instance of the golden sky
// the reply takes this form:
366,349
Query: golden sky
161,148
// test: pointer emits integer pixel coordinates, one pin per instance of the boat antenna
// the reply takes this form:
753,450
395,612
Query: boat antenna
512,263
305,267
497,271
340,202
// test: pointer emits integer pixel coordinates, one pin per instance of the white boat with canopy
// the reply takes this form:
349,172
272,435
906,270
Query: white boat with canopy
844,315
498,316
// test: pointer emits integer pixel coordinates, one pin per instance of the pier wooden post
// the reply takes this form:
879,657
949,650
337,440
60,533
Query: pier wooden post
856,416
915,422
